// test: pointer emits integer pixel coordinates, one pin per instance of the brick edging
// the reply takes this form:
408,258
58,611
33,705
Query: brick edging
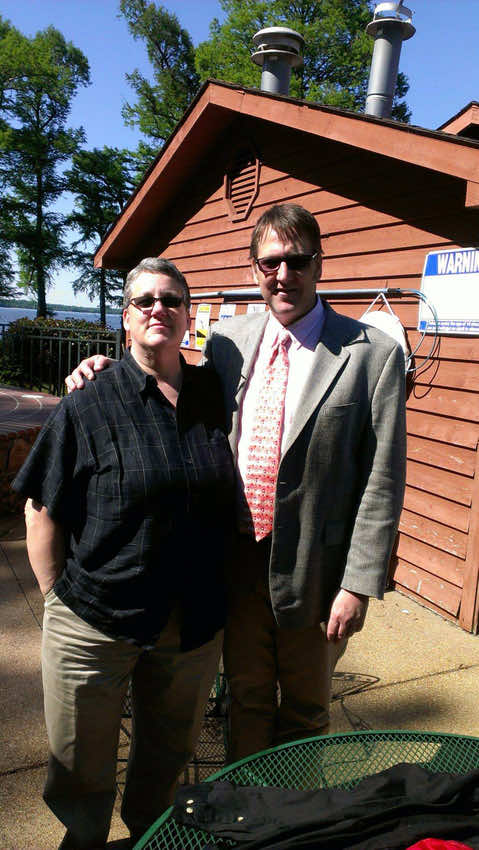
15,443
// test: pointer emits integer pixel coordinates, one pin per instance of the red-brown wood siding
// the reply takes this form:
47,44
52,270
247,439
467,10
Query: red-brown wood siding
379,218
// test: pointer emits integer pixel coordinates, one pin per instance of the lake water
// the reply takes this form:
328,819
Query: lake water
11,314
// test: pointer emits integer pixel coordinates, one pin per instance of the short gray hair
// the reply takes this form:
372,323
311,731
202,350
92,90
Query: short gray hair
156,265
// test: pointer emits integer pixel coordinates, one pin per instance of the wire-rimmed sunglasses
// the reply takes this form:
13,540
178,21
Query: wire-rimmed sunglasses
295,262
147,302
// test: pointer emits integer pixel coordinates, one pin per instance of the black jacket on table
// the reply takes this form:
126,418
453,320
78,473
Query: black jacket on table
388,811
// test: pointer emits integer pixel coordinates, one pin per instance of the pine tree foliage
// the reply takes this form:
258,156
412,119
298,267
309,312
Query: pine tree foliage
161,103
337,52
39,77
101,182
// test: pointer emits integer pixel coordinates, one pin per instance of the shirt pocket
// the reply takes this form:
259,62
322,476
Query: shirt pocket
338,431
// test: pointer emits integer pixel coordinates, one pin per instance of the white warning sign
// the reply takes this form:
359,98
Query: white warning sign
450,281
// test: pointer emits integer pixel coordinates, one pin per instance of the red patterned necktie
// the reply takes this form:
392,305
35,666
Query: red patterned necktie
265,446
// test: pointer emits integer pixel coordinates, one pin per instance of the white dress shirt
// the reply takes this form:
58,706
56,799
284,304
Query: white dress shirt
305,334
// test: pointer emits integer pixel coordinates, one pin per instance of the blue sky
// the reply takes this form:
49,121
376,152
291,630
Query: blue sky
441,61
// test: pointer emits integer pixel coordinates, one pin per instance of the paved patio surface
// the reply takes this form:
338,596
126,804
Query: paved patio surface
23,409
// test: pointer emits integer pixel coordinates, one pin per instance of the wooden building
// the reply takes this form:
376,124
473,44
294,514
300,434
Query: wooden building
385,194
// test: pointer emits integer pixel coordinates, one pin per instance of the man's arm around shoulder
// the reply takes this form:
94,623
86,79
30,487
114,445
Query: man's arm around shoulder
86,369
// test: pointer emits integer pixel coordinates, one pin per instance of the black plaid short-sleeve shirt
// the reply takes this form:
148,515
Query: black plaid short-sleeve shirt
145,493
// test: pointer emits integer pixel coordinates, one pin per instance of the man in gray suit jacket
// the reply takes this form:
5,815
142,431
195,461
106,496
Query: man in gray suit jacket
296,596
299,593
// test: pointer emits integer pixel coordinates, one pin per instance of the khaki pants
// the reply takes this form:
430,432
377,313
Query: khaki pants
85,679
258,655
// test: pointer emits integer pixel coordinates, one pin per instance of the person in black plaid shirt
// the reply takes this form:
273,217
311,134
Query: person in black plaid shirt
130,488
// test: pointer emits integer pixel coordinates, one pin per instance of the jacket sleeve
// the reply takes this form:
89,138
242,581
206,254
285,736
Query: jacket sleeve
382,480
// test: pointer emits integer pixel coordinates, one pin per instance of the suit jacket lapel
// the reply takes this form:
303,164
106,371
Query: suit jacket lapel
330,357
248,341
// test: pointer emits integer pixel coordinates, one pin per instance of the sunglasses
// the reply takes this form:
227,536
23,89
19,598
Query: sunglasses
146,302
295,262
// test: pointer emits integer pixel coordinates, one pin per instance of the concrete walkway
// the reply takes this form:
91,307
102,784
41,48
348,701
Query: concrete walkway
408,669
25,822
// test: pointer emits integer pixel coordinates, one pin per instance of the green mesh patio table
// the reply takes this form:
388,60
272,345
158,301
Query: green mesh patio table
330,761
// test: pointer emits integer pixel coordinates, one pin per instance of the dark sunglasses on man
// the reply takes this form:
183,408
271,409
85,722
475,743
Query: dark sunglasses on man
294,262
146,302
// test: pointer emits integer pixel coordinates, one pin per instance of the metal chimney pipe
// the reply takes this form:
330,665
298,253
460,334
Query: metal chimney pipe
391,25
278,49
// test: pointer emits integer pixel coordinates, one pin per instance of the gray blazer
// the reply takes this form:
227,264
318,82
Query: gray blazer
341,479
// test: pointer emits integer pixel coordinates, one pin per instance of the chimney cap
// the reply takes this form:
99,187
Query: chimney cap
392,12
280,42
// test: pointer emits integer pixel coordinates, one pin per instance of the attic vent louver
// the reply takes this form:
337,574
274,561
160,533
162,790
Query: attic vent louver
241,184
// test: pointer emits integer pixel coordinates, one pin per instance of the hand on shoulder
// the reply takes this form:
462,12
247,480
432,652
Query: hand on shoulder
86,369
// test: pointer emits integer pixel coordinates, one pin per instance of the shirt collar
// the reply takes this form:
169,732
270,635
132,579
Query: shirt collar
305,332
137,376
142,380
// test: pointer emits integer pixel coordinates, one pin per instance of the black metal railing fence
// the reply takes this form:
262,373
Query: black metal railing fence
41,358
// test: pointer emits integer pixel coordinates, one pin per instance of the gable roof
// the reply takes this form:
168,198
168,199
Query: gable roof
219,104
465,122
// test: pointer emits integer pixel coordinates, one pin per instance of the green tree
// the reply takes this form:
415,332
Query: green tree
337,52
39,77
6,273
6,267
161,103
101,181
